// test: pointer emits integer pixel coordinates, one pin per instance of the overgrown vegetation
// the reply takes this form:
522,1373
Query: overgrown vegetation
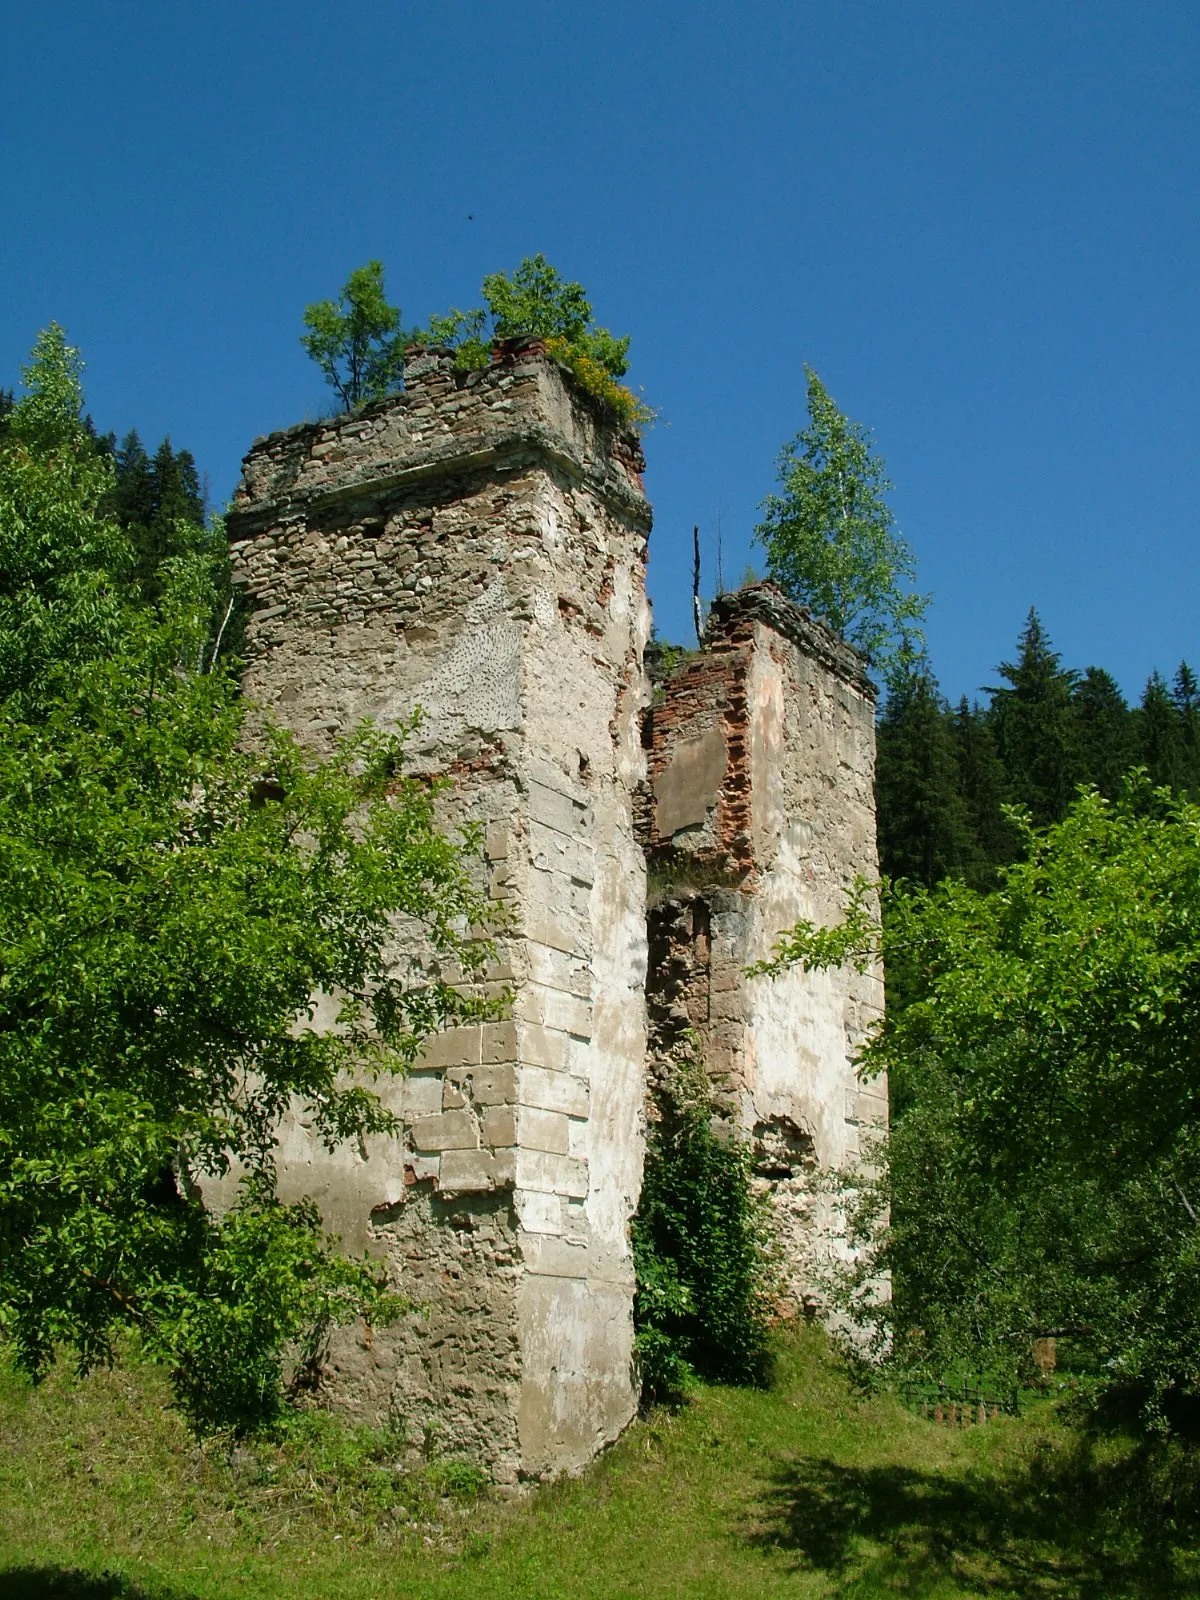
701,1245
170,904
806,1489
671,871
359,345
535,302
1043,1174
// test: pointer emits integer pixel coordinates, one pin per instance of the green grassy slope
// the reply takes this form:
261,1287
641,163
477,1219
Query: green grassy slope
803,1491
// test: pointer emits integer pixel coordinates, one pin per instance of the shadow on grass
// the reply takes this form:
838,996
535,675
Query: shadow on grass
1075,1522
67,1583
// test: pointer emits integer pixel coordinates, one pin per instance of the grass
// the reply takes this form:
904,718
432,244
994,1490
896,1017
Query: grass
804,1490
675,872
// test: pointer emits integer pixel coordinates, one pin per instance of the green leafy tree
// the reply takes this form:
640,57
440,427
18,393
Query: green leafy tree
64,570
1044,1179
536,302
356,340
831,540
171,905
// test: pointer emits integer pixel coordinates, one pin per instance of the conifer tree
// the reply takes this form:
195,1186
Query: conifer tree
1185,692
131,499
1160,734
176,511
1035,728
1105,732
985,791
925,831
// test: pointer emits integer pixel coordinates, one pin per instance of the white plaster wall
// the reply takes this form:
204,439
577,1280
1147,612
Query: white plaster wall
812,767
583,1008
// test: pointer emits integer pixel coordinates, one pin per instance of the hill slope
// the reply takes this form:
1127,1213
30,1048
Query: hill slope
806,1490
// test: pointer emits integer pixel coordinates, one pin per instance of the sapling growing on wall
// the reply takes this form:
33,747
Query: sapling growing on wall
831,539
356,340
537,302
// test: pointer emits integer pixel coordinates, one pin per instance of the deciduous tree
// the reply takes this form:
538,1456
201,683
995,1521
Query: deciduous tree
356,340
1044,1179
831,539
171,906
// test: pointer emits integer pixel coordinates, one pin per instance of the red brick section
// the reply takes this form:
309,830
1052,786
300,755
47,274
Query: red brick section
710,691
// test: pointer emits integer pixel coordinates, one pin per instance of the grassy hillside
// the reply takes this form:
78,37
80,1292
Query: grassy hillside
806,1490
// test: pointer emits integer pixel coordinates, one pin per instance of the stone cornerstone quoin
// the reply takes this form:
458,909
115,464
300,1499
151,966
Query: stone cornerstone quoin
476,546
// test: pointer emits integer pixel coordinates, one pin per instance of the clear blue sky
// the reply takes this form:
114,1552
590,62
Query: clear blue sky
978,222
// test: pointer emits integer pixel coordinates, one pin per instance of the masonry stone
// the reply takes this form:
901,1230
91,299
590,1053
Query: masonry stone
775,823
475,547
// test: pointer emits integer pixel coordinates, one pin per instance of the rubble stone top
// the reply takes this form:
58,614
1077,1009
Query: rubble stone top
525,404
765,602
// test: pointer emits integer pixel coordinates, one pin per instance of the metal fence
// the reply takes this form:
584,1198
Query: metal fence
961,1405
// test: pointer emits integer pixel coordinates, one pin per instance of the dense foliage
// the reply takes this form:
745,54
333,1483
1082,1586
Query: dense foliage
701,1249
1043,1177
946,773
171,907
831,539
536,302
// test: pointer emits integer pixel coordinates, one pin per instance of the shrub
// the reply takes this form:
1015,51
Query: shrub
536,302
700,1248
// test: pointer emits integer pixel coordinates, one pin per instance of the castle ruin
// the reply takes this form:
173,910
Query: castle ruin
477,546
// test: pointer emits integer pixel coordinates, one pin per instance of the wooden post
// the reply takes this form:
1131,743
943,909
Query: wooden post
696,612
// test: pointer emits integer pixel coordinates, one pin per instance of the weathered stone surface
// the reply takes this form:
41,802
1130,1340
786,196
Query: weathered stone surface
785,828
476,546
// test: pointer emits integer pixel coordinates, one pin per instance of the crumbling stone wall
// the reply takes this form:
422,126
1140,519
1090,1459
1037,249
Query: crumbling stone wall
476,546
761,755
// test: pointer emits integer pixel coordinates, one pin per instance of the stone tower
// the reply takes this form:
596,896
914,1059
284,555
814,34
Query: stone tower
476,546
761,812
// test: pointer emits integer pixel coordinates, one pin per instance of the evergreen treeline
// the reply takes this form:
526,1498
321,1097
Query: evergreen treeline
945,772
150,496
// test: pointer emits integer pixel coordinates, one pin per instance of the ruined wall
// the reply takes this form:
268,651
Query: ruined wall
476,546
761,812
